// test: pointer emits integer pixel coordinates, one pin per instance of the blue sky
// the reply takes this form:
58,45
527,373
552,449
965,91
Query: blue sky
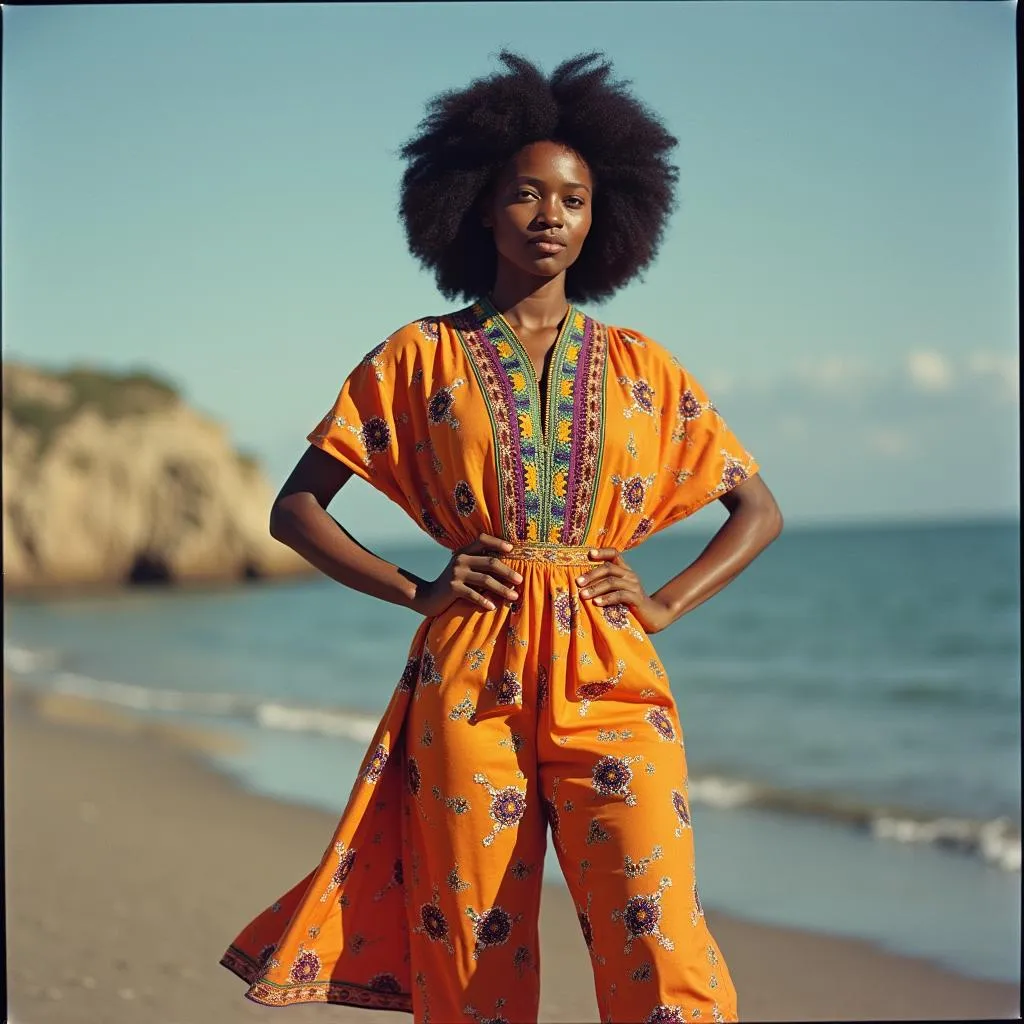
210,192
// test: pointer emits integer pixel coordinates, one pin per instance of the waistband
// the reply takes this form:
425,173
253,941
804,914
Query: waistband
552,554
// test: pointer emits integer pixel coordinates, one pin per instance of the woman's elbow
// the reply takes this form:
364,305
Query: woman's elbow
275,521
282,517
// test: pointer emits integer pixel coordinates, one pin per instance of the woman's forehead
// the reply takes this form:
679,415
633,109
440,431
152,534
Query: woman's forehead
549,161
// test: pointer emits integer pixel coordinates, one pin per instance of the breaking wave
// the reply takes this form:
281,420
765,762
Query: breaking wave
996,841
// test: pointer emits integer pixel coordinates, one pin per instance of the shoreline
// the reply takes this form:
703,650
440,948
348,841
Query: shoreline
168,858
50,589
31,592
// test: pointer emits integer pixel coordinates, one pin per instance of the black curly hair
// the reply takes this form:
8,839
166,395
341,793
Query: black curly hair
469,135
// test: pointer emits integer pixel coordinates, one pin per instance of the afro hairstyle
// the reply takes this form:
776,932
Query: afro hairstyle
468,136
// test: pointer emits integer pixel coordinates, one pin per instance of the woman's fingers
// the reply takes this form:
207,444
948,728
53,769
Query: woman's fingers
481,579
609,586
600,573
605,555
473,595
488,542
494,566
602,586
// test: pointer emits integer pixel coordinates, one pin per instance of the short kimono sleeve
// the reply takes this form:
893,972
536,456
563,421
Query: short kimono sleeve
703,454
362,428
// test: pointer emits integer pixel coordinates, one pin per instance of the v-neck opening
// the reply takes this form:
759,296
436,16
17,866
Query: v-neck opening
542,383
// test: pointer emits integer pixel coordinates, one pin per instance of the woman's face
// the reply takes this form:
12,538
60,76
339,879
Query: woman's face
540,210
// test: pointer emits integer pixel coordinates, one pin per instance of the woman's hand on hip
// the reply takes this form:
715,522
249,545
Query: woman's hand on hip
613,582
474,573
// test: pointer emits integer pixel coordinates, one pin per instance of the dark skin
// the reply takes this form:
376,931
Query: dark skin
539,211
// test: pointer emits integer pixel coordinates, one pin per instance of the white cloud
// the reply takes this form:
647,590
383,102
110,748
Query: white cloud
890,442
1002,370
929,371
718,382
793,427
833,374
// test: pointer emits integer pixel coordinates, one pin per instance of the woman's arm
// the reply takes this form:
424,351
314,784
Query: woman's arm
299,519
754,522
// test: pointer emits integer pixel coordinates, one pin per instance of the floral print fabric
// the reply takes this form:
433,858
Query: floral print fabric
548,713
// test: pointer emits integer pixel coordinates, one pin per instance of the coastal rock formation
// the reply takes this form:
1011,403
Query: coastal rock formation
114,479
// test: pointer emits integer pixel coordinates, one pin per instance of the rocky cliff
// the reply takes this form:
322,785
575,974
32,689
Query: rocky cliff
114,479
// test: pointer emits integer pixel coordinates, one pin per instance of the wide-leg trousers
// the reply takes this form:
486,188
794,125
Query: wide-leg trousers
609,778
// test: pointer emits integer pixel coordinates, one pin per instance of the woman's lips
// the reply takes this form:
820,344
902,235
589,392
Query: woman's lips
547,247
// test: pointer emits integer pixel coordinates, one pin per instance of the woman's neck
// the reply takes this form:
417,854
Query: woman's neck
530,305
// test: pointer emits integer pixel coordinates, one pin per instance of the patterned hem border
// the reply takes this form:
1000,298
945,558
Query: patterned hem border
338,993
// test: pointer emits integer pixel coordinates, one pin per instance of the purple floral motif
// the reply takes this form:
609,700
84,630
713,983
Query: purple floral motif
591,691
375,767
634,491
509,689
429,675
643,395
432,526
265,954
385,982
663,1014
660,722
696,900
493,927
733,474
413,776
521,870
588,928
643,972
465,502
642,529
409,673
565,611
342,871
440,405
375,435
542,687
552,812
429,329
306,967
641,916
616,615
374,352
508,806
689,406
434,923
612,776
679,805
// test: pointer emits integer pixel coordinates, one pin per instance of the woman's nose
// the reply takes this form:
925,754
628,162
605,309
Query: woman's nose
551,212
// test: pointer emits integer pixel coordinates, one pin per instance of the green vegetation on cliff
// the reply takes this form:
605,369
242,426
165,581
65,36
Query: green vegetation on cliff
114,396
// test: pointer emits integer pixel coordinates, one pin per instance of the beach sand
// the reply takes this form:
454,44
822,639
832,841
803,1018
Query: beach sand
130,866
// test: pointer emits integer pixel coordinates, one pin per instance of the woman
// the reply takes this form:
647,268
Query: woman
535,443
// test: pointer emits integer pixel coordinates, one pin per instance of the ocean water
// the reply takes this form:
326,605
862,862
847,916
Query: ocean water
851,706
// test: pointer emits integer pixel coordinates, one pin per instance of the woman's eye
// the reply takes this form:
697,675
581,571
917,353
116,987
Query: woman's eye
574,201
524,193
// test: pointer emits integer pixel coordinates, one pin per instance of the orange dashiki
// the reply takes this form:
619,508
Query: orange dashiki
548,712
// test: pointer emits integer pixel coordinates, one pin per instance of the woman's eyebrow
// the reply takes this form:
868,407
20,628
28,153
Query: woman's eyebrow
524,179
